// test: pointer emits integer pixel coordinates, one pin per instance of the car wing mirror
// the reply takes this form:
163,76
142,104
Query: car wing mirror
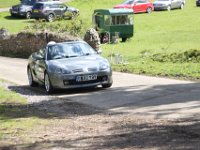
99,51
38,57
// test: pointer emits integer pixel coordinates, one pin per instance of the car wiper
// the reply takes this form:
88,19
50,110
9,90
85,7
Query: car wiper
86,54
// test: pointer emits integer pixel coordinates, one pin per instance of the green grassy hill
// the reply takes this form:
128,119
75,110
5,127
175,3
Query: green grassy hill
8,3
165,43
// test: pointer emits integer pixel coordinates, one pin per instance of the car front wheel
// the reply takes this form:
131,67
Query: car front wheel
32,83
107,85
182,5
50,17
149,10
47,84
168,8
28,15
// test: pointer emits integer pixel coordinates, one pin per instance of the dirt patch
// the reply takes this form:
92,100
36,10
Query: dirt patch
72,125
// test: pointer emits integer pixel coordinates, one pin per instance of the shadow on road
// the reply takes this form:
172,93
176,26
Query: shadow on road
160,101
178,135
144,134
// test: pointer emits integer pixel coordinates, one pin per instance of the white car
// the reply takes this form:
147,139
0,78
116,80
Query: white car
168,4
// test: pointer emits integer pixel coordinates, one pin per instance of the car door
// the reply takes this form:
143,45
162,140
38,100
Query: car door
63,9
174,4
56,10
39,65
140,6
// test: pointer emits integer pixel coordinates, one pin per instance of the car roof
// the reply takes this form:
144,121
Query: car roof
50,2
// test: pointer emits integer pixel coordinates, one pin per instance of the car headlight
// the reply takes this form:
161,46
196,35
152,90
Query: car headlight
103,65
62,71
22,9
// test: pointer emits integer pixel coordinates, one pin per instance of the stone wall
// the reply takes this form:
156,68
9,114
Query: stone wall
23,44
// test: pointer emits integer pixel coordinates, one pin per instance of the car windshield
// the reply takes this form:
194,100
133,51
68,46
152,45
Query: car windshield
28,2
162,0
68,50
128,2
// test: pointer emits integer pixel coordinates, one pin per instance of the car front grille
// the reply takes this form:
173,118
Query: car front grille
15,8
77,70
92,69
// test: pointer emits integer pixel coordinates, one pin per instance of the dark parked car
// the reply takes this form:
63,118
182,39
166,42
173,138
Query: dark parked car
137,6
52,10
198,3
168,4
68,65
24,9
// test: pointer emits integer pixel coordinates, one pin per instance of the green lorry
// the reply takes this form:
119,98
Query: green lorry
112,23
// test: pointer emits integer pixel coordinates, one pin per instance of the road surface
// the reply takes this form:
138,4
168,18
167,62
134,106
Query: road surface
139,95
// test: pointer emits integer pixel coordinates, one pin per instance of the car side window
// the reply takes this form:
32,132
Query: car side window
141,1
54,6
62,6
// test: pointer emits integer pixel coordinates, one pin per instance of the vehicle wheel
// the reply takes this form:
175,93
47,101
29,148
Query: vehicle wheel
149,10
28,15
182,5
32,83
47,84
107,85
73,15
13,15
50,17
168,8
124,39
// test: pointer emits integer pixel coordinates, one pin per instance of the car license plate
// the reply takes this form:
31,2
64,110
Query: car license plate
86,78
35,11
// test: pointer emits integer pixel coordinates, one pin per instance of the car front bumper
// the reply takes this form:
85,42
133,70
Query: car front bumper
161,7
17,13
197,3
68,81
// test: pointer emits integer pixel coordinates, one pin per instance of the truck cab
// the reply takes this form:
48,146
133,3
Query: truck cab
114,22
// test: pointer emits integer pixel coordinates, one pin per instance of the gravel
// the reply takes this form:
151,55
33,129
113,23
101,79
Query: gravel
74,125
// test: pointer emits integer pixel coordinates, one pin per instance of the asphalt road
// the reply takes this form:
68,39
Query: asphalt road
135,94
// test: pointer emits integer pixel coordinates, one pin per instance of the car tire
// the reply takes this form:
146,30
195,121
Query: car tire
168,8
149,10
182,5
124,39
13,15
73,15
28,15
107,85
50,17
32,83
47,84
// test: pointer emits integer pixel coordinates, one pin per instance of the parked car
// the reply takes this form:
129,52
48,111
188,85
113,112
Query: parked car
168,4
66,65
138,6
24,9
197,2
52,10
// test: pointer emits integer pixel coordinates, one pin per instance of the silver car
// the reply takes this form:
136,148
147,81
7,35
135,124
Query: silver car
168,4
68,65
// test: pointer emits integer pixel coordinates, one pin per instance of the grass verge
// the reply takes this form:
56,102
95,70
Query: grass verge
160,32
13,117
8,3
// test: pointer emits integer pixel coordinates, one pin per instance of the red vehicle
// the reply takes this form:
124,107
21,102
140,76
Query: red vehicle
138,6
